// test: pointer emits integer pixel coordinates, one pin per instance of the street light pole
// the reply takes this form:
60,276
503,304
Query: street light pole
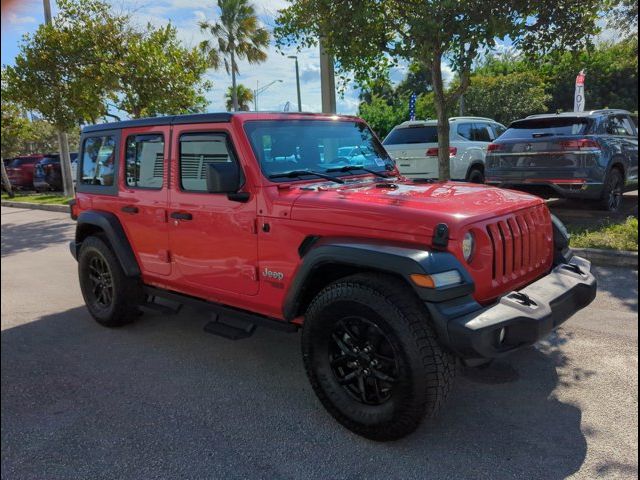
297,81
260,90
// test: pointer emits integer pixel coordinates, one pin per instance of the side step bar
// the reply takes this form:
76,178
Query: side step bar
223,311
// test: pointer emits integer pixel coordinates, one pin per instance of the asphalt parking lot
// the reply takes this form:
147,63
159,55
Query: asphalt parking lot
163,399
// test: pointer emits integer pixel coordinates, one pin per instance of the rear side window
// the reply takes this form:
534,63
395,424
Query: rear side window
197,150
98,161
498,129
145,161
619,125
423,134
547,127
465,130
482,132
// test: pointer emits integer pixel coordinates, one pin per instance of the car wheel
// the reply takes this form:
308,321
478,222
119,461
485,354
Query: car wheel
372,357
111,298
476,175
612,196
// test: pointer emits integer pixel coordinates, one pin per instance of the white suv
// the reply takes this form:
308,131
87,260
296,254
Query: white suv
414,147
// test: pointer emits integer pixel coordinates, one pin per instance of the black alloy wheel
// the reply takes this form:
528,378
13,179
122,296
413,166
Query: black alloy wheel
363,361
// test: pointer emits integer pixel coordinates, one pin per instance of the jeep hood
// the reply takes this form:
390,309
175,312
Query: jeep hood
406,206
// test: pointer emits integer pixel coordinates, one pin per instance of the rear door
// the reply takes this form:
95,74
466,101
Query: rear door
408,147
143,197
622,131
213,239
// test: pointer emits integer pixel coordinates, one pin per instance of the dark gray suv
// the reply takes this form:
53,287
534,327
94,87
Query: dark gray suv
589,155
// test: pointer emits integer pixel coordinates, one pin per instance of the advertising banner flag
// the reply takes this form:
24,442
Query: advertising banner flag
579,100
412,106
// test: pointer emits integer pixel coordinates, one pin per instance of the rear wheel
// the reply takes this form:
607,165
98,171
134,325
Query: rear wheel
612,195
110,296
476,175
372,358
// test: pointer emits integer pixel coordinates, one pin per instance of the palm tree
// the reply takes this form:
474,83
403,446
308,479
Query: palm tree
244,96
238,35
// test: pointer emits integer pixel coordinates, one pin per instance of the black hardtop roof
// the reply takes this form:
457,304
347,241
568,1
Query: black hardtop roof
219,117
163,120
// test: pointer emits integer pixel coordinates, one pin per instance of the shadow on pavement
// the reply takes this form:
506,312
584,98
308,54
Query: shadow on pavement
25,237
586,214
620,283
161,398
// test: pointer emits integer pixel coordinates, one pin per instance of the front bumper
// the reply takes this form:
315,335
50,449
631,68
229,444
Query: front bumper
519,318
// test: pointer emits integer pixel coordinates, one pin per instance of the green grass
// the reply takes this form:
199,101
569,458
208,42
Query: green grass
622,236
41,198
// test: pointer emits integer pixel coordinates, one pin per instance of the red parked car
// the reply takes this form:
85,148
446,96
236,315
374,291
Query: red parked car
20,171
260,219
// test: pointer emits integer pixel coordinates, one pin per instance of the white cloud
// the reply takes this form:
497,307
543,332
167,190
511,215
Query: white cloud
15,19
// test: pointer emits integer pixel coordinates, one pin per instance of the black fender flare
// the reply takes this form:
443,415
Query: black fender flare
370,255
108,224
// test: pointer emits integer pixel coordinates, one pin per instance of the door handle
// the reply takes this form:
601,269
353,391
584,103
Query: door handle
181,216
130,209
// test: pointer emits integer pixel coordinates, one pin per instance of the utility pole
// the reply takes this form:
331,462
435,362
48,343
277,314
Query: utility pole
297,81
63,140
327,81
47,12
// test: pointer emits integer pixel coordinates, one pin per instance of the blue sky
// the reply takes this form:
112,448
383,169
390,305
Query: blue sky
25,16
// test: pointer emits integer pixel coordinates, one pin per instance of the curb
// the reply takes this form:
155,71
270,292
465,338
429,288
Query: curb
608,258
35,206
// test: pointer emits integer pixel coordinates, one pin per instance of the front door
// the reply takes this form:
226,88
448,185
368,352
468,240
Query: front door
143,199
213,239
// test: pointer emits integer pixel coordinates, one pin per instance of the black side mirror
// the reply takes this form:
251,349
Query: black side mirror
226,178
223,177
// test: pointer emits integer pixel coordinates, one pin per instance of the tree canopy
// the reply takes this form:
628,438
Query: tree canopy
366,36
237,35
158,75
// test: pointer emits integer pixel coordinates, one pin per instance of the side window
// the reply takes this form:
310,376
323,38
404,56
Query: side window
465,130
197,150
629,126
482,132
619,125
98,161
498,129
145,161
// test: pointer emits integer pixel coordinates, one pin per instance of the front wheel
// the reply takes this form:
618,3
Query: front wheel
372,358
110,296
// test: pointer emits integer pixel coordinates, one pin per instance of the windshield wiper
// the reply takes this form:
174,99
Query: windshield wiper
350,168
302,173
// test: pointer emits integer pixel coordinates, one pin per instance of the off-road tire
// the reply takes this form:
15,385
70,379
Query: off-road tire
126,291
426,370
476,175
613,190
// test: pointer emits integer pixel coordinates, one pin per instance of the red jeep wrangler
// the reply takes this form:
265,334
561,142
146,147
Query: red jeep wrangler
301,221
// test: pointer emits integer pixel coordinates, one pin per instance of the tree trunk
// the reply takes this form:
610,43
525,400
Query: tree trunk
5,180
444,159
65,164
234,90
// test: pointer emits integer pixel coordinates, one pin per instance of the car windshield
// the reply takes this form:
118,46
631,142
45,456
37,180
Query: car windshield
284,146
547,127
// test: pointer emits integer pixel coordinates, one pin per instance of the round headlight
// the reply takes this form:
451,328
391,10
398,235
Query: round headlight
468,246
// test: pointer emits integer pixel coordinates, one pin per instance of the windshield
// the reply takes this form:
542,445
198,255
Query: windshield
547,127
283,146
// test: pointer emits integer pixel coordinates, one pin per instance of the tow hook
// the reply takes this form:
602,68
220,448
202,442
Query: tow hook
522,299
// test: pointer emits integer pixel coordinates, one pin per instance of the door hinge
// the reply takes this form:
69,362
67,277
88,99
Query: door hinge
165,256
254,226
